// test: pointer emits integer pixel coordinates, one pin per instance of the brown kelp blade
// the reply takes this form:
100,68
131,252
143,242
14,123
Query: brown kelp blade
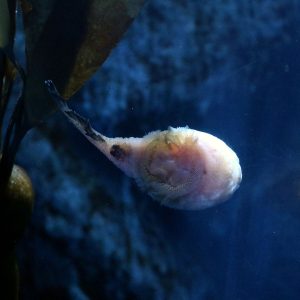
66,41
7,69
7,23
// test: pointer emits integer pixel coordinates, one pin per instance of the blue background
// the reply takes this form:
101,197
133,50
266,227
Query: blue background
230,68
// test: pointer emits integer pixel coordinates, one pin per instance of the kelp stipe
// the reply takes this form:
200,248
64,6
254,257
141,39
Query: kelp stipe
50,52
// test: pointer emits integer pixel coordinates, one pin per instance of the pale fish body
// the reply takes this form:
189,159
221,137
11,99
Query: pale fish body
180,167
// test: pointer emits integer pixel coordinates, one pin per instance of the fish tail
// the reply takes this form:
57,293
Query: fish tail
81,123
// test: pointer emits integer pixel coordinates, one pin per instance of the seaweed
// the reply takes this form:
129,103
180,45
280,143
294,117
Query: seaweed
65,41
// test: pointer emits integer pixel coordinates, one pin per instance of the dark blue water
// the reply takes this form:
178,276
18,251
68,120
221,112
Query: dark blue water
230,68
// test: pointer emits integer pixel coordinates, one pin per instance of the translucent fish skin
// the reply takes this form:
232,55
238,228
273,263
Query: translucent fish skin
187,169
179,167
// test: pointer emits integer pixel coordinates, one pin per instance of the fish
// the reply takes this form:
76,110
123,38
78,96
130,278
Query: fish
181,168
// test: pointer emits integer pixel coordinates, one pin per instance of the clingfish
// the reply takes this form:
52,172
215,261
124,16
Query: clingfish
180,167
